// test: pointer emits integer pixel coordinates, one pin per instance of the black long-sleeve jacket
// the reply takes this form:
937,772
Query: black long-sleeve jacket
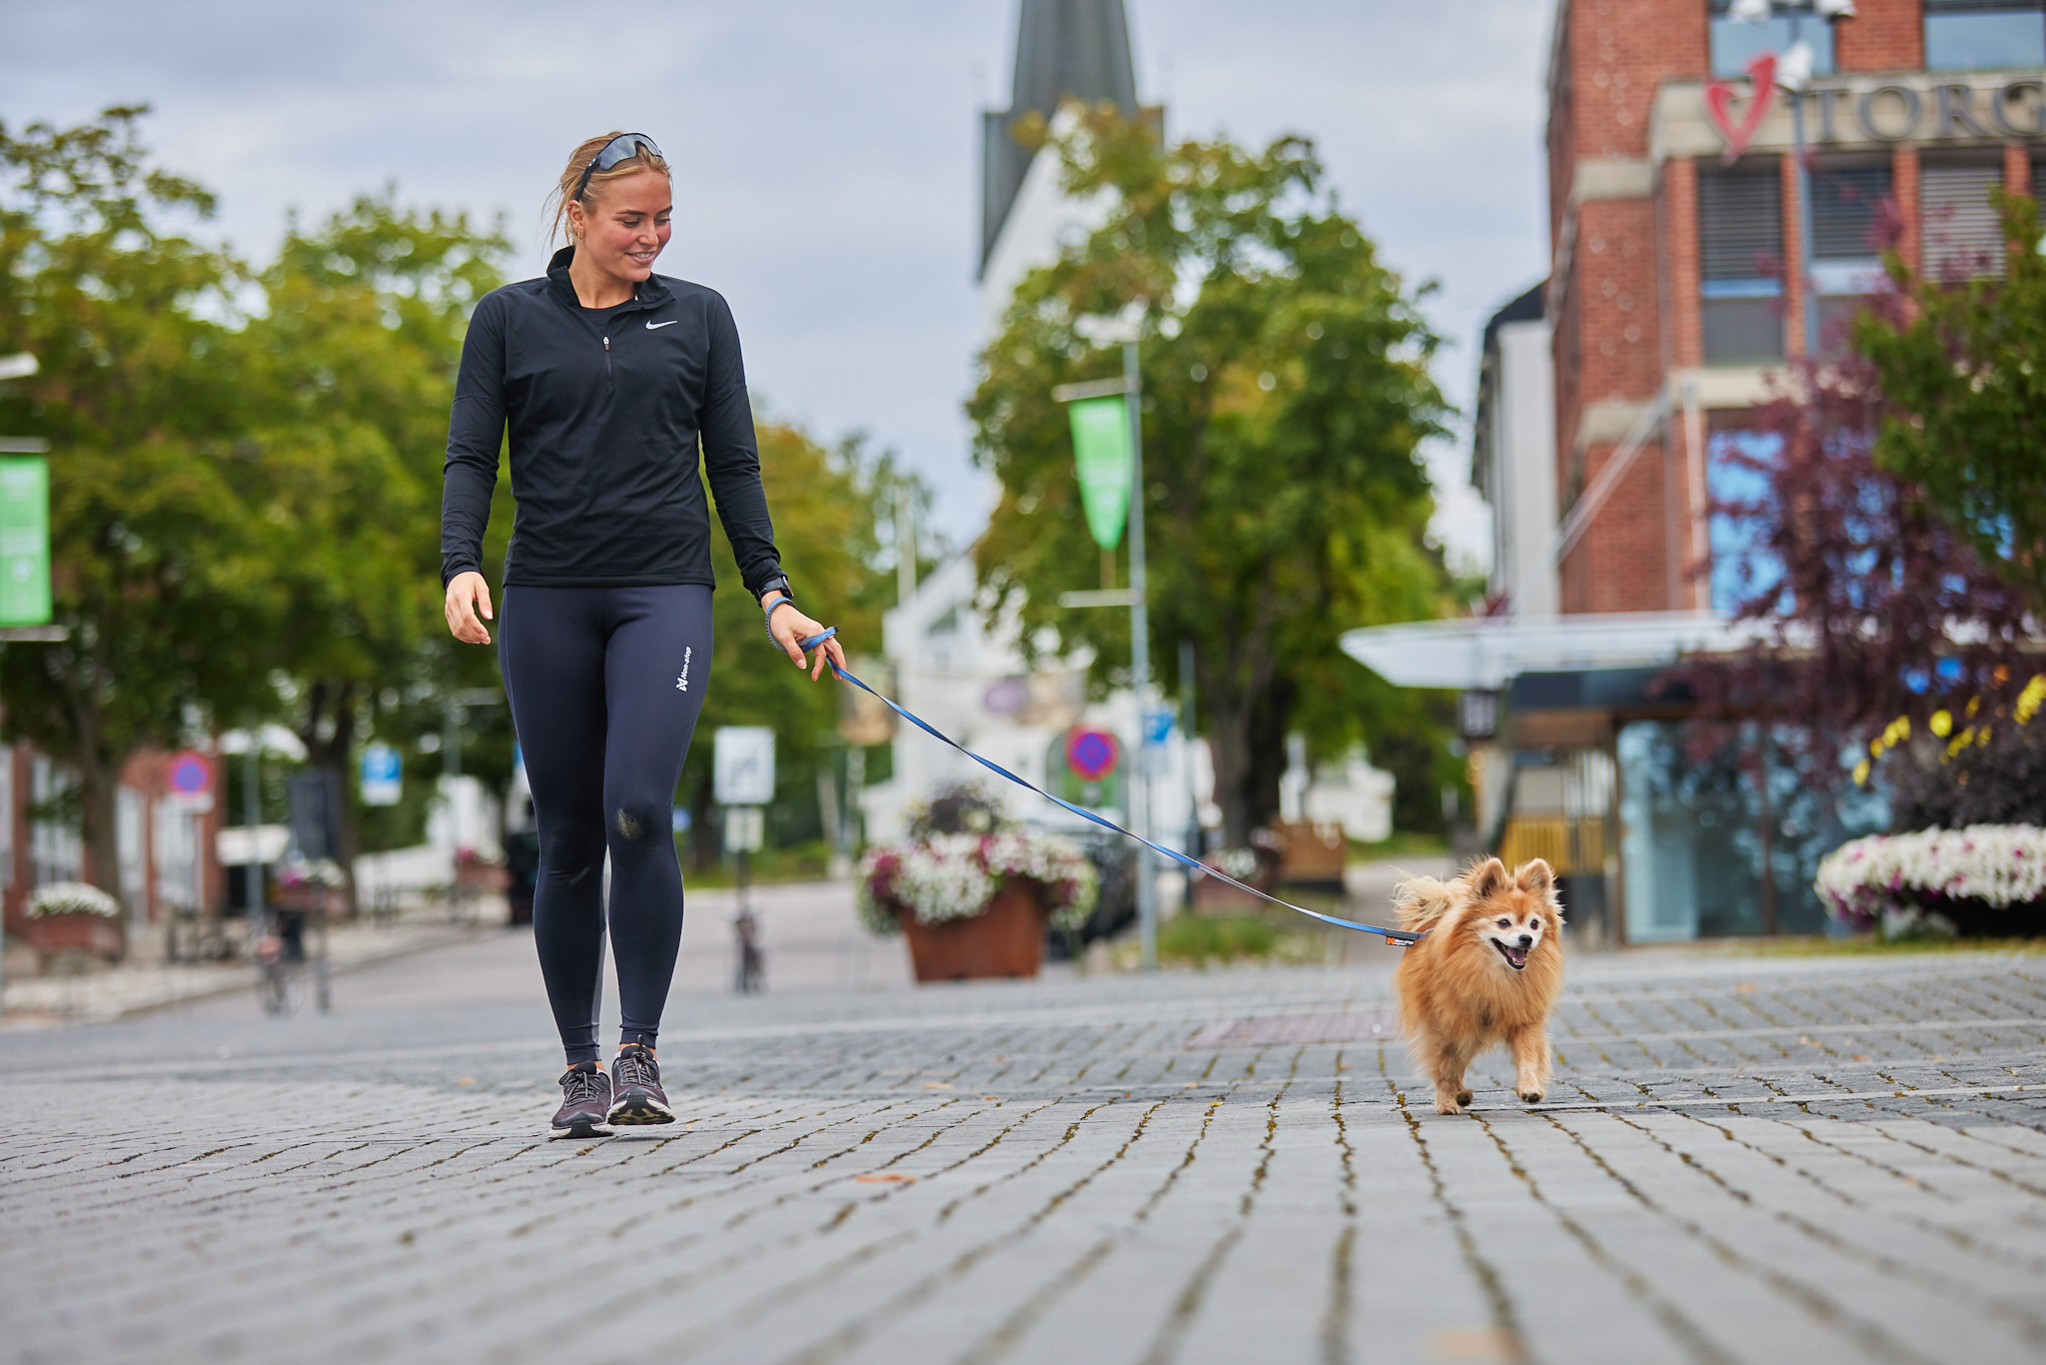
605,409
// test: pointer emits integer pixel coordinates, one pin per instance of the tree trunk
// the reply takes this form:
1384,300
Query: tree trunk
99,782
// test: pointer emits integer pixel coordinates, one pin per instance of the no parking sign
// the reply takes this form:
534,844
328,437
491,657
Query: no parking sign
1092,754
191,780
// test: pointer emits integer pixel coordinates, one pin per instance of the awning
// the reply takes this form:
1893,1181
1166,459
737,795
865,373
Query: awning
1488,651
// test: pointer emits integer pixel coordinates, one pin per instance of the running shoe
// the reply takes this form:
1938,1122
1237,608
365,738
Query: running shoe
585,1095
636,1095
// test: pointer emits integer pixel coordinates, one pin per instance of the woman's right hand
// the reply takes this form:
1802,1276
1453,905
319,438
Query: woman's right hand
468,595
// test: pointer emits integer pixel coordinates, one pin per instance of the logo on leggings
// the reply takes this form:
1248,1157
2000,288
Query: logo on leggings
682,680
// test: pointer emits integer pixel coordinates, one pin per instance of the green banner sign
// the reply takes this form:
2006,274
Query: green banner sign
1101,453
25,541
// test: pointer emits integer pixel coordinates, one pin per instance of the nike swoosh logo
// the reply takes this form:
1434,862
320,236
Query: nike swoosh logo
655,326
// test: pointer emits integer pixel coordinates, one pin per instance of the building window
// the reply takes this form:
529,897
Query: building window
1984,35
1735,42
1962,237
1740,264
1737,465
1849,207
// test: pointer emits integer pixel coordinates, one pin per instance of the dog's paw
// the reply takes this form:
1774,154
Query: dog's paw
1445,1105
1531,1096
1463,1097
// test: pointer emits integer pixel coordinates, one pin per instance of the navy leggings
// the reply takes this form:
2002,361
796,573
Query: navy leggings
605,685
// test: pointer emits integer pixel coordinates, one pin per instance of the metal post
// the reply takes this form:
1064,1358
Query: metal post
451,769
1806,284
252,815
1140,665
1187,740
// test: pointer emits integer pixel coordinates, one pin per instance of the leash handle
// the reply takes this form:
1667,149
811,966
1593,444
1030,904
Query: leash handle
1399,938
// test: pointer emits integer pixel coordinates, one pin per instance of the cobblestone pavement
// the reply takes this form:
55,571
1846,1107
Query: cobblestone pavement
1806,1160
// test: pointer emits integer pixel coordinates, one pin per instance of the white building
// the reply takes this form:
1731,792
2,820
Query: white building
1513,456
965,674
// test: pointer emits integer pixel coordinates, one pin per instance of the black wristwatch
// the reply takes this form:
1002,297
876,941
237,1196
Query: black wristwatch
779,583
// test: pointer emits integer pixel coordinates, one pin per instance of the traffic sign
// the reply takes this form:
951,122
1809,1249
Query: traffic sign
191,780
1092,754
743,765
383,775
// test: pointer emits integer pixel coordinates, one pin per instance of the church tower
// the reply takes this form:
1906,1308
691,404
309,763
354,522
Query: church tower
1065,49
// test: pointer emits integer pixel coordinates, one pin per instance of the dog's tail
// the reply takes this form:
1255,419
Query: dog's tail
1421,901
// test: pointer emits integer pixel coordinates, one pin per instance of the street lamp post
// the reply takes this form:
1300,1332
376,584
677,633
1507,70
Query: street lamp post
1130,387
1140,664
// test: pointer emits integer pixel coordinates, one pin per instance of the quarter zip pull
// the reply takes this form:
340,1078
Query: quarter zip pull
607,343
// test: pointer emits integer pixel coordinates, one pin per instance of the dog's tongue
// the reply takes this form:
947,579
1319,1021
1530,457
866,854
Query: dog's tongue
1517,956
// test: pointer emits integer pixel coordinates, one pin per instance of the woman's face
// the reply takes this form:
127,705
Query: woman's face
627,226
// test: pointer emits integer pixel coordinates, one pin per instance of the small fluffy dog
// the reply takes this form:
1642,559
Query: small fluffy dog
1487,972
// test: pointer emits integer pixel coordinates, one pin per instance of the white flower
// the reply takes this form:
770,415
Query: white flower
955,876
2000,865
71,898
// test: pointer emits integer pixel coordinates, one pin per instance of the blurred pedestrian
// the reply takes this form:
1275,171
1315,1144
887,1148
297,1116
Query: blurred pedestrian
608,377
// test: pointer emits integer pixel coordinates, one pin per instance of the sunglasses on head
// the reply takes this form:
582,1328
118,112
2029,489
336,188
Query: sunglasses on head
621,148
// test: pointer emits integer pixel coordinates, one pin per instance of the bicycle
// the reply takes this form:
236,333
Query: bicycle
281,988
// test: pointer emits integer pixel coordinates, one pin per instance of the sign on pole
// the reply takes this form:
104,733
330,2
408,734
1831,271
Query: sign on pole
383,775
25,541
743,765
191,781
745,829
1101,455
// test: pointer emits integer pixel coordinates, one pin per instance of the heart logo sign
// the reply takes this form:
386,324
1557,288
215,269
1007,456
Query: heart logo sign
1719,105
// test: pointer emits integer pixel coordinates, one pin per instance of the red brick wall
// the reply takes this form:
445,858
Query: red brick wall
1621,564
1683,324
1904,183
1793,261
1884,35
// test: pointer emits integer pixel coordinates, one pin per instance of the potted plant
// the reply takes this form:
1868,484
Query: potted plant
71,917
972,893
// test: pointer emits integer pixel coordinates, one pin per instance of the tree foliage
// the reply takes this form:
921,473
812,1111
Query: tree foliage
1963,366
246,472
1286,393
154,570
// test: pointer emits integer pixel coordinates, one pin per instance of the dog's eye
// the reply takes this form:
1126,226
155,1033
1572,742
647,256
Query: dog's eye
1505,924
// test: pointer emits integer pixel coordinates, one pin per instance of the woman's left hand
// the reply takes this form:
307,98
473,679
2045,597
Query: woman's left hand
790,627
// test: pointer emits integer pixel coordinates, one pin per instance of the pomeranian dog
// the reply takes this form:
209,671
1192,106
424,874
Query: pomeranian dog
1487,972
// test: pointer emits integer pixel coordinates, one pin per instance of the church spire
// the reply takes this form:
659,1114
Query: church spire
1077,49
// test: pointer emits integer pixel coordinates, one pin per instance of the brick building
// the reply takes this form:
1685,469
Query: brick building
164,843
1682,281
1678,283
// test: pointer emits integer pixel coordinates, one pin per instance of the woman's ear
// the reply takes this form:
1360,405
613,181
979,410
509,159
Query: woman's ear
1487,879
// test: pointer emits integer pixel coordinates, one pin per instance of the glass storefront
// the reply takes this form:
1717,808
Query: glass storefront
1698,830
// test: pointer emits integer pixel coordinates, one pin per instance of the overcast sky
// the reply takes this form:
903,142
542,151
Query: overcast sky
825,153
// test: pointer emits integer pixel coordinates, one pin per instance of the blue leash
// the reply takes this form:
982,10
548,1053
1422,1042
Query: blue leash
1398,938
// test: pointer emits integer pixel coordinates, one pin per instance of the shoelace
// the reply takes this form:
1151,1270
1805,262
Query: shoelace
581,1085
635,1068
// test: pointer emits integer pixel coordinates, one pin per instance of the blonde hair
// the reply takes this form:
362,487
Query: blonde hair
642,159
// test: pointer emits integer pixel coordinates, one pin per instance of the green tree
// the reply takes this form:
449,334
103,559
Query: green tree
1963,365
154,570
350,371
1286,392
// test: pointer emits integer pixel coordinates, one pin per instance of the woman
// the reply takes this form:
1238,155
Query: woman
608,376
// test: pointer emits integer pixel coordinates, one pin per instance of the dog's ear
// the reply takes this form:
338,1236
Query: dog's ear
1487,879
1536,877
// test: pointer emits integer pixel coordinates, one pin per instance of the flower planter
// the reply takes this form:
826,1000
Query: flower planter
75,932
1004,940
